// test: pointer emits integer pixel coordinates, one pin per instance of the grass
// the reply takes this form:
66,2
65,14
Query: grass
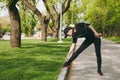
114,38
33,61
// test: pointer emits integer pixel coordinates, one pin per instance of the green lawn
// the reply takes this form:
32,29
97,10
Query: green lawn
33,61
114,38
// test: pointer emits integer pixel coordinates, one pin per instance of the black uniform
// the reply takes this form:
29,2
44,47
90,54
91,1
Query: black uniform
82,30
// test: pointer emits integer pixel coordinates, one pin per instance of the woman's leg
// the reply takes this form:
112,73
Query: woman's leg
83,46
97,44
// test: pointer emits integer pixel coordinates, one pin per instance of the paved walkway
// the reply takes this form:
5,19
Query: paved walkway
84,66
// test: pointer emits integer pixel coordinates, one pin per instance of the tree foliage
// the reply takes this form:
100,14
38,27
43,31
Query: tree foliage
104,15
72,16
28,20
54,8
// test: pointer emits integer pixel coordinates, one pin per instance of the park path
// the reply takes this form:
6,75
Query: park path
84,67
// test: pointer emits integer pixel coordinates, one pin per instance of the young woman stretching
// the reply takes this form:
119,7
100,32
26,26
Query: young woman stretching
86,30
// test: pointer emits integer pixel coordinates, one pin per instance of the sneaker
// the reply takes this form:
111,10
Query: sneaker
66,64
100,73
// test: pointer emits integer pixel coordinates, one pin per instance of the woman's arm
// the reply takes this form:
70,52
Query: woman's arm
71,51
95,32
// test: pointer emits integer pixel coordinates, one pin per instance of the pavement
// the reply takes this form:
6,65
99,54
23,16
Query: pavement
84,67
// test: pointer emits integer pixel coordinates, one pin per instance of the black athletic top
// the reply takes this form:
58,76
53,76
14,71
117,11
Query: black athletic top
82,30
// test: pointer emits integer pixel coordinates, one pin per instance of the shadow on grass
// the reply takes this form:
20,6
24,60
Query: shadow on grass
47,45
33,61
27,69
45,48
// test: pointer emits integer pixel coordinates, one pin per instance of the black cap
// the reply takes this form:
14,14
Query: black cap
66,31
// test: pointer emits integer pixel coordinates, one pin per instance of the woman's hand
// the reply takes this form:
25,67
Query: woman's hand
98,35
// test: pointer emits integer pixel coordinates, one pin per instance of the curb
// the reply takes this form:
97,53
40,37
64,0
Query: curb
64,74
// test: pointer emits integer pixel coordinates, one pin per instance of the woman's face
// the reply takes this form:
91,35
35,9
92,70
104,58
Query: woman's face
69,32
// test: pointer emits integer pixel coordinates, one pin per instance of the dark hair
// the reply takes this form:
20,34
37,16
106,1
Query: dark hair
66,31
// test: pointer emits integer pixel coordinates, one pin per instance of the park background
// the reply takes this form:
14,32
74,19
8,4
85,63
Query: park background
31,29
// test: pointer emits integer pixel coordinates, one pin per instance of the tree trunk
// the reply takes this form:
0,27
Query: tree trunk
44,26
15,38
57,27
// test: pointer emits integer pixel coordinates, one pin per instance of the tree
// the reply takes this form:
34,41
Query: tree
96,13
73,15
105,15
44,19
28,20
15,38
55,14
114,18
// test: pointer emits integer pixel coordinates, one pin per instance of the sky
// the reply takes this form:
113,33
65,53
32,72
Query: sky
40,6
3,11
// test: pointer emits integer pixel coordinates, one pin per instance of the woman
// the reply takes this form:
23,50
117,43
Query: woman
86,30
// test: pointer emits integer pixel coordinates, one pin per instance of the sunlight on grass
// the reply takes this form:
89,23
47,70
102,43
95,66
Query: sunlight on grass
114,38
35,60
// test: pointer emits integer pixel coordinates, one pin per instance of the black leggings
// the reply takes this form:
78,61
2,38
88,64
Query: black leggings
89,40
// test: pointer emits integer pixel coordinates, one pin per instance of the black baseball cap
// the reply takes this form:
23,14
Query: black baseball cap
66,31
